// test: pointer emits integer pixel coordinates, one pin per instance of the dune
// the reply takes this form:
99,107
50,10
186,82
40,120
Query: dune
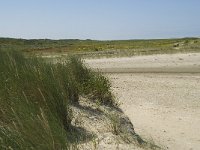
160,94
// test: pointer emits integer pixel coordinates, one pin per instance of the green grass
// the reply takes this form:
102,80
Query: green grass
36,96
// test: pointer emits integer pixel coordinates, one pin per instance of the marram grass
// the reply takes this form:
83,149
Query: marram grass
36,96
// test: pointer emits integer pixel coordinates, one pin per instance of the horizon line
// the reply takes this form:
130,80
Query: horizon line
84,39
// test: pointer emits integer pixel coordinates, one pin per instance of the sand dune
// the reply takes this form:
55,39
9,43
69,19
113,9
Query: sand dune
160,94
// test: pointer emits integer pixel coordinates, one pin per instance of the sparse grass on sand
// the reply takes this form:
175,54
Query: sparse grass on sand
94,48
36,96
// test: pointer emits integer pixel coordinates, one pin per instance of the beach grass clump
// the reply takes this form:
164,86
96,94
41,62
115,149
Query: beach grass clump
36,96
34,106
91,84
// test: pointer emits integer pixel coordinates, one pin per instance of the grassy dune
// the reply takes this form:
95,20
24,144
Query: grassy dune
36,98
102,48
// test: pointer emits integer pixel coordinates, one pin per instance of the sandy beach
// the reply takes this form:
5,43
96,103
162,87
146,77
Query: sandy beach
160,94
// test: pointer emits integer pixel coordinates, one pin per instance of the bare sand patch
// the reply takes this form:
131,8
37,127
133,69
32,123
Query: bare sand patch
164,106
165,63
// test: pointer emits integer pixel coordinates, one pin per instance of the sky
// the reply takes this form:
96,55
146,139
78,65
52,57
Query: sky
99,19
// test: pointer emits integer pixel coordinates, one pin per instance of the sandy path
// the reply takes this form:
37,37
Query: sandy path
164,107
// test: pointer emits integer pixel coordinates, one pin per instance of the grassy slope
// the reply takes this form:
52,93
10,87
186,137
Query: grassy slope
36,98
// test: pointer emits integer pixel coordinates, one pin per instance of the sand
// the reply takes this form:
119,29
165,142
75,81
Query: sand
160,94
174,63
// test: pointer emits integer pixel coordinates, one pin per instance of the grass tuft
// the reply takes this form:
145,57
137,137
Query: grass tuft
36,96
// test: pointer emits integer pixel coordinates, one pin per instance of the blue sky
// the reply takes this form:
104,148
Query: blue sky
99,19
